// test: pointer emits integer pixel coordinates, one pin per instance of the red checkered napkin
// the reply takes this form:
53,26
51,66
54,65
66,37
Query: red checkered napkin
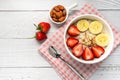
57,40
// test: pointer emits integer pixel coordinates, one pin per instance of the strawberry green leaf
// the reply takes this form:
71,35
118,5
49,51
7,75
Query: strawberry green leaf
38,27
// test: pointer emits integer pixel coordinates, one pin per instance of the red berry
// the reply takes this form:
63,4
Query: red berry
40,36
44,26
97,51
77,50
73,31
87,54
71,42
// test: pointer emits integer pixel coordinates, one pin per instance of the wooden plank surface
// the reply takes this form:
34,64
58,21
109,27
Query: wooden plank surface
28,74
20,59
46,4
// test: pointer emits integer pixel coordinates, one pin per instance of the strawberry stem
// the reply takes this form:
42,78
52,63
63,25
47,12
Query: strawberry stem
37,27
27,38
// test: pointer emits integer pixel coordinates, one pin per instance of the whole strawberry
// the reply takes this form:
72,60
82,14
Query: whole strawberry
40,36
43,27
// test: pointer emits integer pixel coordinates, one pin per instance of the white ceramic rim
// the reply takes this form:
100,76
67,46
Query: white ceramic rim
99,59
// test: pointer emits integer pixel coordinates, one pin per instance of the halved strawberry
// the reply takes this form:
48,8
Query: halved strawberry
87,54
97,51
77,50
73,31
71,42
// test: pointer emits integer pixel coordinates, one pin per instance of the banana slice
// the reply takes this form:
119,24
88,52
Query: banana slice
102,39
82,25
95,27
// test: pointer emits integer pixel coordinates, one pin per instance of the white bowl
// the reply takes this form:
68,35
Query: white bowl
107,29
55,21
67,12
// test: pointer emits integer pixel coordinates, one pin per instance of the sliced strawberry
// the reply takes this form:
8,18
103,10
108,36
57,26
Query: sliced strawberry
71,42
97,51
73,31
77,50
87,54
40,36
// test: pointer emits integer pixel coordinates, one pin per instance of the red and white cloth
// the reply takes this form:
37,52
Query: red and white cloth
57,40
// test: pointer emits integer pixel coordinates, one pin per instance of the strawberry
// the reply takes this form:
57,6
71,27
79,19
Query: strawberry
40,36
73,31
87,54
71,42
97,51
77,50
43,27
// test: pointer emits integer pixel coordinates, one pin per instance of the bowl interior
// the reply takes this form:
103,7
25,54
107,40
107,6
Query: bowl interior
106,29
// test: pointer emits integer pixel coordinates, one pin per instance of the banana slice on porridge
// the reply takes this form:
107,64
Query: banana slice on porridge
102,39
95,27
82,25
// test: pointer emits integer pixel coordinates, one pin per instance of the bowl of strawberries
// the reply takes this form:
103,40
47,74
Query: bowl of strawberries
88,39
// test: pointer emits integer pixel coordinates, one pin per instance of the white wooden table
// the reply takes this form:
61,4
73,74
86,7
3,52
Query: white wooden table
19,58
